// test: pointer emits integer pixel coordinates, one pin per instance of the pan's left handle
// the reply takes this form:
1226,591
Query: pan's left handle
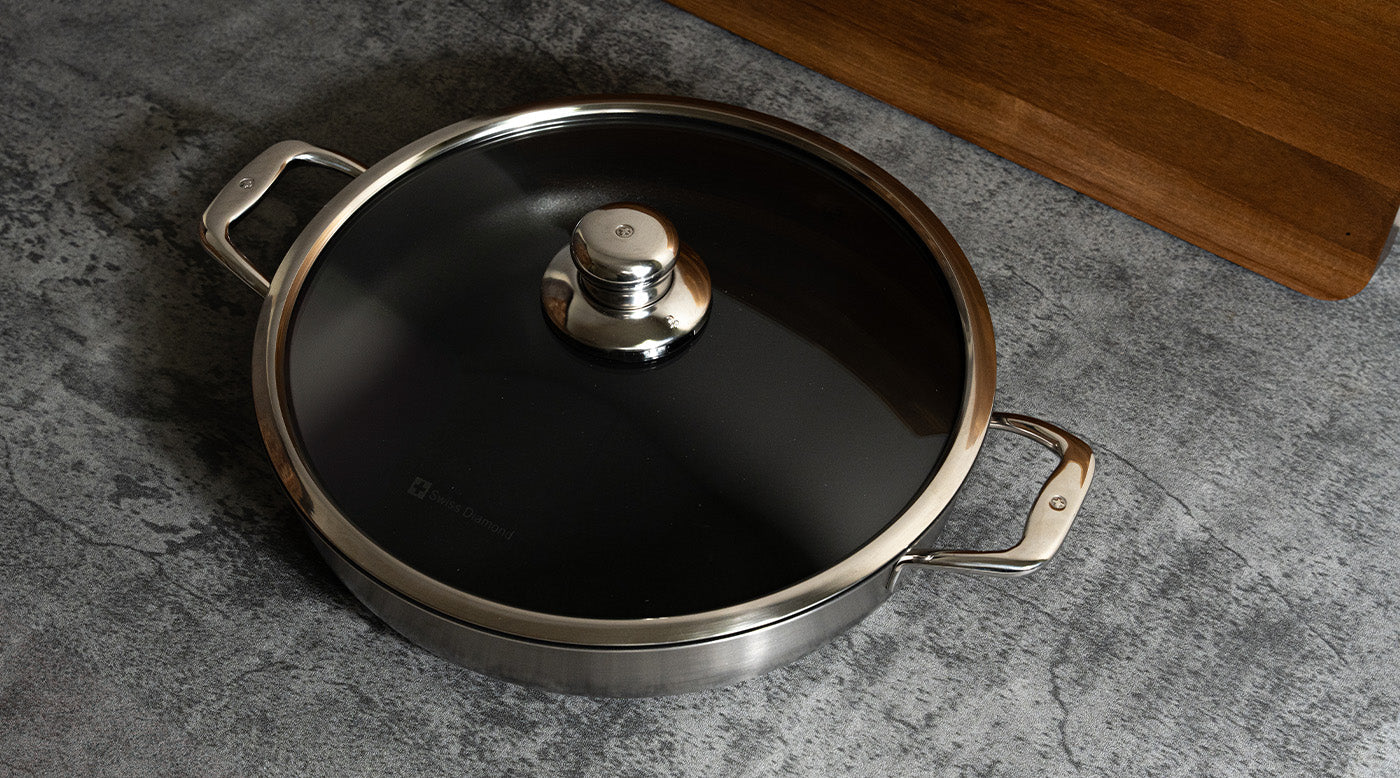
246,189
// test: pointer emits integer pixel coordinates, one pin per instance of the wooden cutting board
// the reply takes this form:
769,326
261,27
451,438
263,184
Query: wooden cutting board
1265,132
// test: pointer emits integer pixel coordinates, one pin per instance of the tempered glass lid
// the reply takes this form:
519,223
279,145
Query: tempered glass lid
446,419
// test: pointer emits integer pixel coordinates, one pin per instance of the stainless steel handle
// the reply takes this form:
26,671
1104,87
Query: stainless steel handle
1051,515
246,189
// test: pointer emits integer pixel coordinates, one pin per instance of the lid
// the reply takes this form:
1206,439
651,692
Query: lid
446,430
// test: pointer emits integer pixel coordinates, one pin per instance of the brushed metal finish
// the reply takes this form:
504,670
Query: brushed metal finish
1051,514
244,191
637,671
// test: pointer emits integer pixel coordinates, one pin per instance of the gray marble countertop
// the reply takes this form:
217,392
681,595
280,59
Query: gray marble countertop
1226,604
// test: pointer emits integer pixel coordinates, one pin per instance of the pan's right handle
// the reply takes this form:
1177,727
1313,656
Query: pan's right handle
246,189
1051,515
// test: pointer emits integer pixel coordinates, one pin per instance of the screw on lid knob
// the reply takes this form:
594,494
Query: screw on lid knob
625,253
624,287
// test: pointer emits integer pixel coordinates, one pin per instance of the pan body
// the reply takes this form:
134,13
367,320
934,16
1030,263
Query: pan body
531,511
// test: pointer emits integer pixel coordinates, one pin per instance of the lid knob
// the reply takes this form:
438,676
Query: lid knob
625,254
625,286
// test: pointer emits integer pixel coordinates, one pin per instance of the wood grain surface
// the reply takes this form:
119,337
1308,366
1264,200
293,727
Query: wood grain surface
1265,132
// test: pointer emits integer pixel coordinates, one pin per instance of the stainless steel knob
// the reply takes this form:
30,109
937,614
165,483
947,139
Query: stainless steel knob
625,286
625,254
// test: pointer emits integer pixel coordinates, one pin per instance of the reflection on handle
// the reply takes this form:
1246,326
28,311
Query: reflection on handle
1051,515
246,189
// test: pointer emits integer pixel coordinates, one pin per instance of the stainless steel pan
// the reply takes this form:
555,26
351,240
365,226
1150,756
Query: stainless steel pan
537,504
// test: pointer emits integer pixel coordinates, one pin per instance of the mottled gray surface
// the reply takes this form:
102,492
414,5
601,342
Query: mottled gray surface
1225,606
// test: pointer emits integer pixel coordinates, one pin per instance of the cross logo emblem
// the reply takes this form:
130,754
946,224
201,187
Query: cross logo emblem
419,488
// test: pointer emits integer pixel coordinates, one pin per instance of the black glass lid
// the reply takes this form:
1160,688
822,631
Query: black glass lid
444,416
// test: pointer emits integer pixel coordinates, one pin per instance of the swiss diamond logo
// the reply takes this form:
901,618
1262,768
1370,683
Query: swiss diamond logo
420,487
